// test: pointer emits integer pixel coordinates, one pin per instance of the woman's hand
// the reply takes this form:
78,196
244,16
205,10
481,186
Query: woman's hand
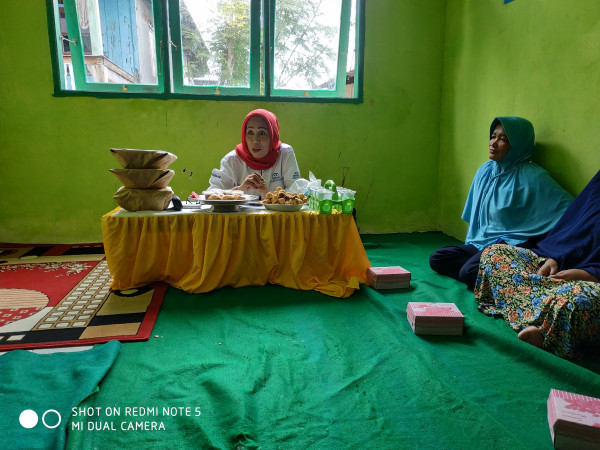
549,268
254,182
574,274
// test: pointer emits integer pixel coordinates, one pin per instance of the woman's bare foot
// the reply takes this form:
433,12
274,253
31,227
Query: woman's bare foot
532,335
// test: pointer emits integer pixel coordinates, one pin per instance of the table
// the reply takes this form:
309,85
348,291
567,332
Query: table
197,250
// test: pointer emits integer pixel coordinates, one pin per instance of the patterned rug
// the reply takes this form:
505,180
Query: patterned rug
59,295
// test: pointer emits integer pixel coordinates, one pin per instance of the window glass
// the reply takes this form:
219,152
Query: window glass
306,44
118,41
351,60
67,65
271,49
215,37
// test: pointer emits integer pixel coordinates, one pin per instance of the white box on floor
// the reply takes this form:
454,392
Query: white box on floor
392,277
574,420
435,318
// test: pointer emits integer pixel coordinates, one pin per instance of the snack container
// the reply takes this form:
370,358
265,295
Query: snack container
393,277
435,318
131,158
346,204
311,197
313,200
336,199
143,199
574,420
321,200
329,197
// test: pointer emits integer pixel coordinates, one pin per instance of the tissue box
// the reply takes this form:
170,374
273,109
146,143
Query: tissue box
435,318
574,420
393,277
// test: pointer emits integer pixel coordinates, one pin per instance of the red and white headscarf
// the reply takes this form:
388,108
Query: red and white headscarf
267,161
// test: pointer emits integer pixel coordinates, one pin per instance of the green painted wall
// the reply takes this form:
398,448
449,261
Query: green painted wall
539,59
55,151
436,73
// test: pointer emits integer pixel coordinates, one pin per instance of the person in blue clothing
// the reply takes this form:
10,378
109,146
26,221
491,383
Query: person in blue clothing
511,201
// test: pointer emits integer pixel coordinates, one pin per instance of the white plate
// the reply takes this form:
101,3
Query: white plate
279,207
248,198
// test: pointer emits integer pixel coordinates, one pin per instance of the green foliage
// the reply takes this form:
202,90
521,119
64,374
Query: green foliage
301,51
195,51
231,42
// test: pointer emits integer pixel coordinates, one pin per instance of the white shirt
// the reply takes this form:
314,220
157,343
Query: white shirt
234,171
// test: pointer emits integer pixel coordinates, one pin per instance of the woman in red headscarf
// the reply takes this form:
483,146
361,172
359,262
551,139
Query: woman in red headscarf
261,162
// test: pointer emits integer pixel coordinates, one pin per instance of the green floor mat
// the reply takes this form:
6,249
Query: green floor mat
274,368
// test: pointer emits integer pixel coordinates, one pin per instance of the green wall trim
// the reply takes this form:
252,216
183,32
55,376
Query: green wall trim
55,40
230,97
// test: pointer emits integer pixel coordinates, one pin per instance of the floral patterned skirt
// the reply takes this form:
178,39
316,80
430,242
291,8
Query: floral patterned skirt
566,312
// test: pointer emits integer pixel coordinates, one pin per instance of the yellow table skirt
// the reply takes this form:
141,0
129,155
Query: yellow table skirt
198,251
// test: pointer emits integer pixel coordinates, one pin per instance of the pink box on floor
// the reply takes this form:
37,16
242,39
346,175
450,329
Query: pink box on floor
393,277
435,318
574,420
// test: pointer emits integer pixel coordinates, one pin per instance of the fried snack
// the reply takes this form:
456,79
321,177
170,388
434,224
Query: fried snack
225,197
281,197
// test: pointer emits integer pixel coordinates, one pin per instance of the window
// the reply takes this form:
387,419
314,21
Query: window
218,49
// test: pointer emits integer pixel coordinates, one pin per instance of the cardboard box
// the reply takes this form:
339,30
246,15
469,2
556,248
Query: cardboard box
574,420
435,318
393,277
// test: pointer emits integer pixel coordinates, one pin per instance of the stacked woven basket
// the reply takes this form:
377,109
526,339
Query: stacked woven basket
145,179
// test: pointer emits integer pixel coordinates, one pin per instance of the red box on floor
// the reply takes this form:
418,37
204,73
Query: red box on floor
574,420
393,277
435,318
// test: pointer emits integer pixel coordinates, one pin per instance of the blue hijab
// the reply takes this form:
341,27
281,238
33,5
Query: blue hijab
514,199
575,240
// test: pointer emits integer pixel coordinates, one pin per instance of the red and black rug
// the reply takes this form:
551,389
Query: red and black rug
59,295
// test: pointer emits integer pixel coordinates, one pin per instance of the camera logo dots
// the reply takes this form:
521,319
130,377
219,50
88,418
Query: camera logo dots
29,418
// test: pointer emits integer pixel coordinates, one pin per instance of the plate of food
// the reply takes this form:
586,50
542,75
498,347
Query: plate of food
281,200
225,201
193,198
